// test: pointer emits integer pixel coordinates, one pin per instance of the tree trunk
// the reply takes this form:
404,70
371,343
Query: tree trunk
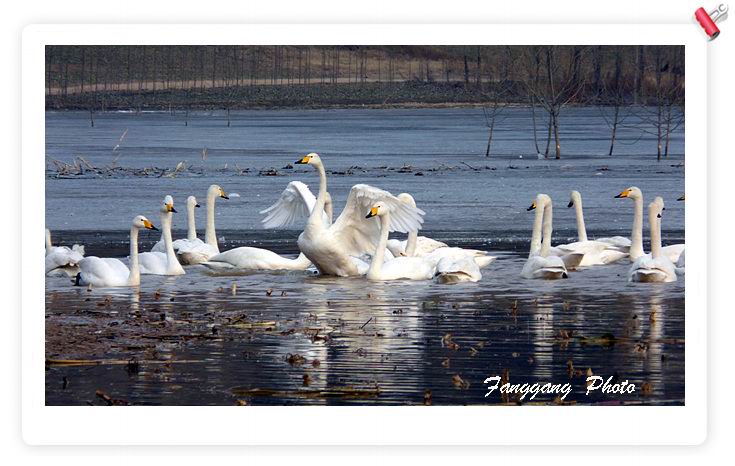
533,119
614,129
556,136
490,137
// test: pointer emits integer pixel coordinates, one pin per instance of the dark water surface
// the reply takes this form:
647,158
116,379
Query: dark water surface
295,338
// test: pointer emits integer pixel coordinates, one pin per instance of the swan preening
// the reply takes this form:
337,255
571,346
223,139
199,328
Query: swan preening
109,272
62,260
357,242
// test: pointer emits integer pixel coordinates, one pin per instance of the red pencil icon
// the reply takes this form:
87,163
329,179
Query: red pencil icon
708,20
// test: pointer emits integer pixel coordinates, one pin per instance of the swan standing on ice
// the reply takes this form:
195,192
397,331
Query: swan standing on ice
61,260
191,234
411,268
295,202
539,263
656,267
163,263
334,249
196,252
636,236
108,272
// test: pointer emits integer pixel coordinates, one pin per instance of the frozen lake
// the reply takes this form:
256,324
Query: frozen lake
237,347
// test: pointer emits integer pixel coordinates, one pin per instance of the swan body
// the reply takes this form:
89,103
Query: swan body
332,248
424,246
62,260
410,268
248,258
451,270
541,265
163,263
656,267
194,250
109,272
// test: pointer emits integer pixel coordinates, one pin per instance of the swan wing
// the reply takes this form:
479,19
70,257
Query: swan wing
101,272
454,270
295,204
154,263
159,246
358,235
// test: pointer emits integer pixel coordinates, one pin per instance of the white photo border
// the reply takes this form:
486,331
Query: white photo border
362,425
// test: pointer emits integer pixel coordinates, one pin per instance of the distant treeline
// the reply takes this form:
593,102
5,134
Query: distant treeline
645,81
595,72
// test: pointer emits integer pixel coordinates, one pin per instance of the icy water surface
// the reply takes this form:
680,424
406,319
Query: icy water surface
296,338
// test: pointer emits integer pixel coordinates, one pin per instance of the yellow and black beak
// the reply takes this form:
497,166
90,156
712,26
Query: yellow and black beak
531,207
222,194
623,194
681,198
304,160
149,225
373,213
571,204
170,208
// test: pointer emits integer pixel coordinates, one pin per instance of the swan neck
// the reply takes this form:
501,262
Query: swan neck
636,236
329,210
315,218
411,243
536,235
171,262
134,276
48,240
546,245
376,265
581,230
191,233
655,225
210,236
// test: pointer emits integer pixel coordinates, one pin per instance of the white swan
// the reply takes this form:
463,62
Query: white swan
415,245
191,234
295,202
163,263
196,252
569,254
656,267
636,236
539,263
411,268
61,260
596,252
333,249
108,272
452,265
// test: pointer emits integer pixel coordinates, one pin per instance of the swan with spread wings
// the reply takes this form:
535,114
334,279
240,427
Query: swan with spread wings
335,248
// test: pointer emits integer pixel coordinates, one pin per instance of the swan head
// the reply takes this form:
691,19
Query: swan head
216,191
407,198
378,209
541,201
141,222
632,192
656,208
191,201
575,198
310,159
168,205
681,198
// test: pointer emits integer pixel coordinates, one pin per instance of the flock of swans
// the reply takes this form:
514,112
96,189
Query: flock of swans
357,243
